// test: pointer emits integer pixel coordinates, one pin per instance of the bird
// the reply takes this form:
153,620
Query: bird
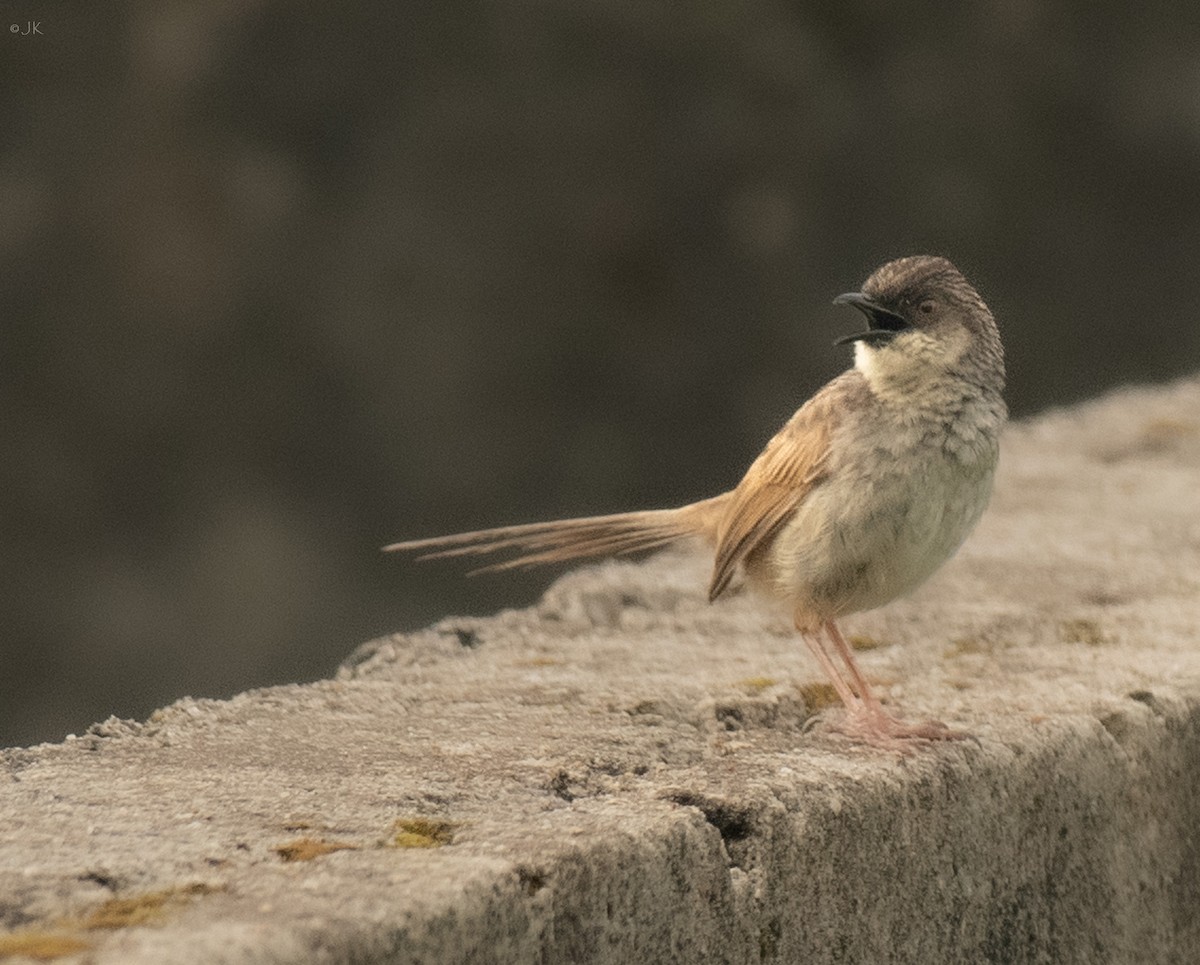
867,490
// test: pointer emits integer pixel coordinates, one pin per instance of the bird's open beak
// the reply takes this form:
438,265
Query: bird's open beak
882,325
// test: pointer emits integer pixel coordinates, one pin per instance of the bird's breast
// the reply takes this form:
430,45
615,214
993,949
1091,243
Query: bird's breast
896,504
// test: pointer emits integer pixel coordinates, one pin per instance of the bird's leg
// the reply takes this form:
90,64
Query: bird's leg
869,699
866,718
816,645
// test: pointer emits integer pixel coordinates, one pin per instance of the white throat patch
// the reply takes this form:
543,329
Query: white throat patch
912,358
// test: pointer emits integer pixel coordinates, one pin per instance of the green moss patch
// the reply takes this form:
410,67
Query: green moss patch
422,833
756,685
41,946
305,849
818,695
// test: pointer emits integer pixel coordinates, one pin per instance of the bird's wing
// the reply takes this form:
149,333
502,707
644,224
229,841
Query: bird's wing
776,483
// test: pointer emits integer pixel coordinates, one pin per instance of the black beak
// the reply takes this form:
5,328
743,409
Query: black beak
882,324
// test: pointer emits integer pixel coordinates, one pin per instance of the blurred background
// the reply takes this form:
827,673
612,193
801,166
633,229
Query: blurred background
284,281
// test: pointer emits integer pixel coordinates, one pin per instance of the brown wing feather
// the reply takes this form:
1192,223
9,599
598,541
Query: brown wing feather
775,484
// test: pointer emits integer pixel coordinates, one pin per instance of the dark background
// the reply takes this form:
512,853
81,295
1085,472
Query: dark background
283,281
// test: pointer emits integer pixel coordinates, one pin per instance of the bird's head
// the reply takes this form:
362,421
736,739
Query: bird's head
923,320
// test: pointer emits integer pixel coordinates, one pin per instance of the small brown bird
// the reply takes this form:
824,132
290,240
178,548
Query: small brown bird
869,487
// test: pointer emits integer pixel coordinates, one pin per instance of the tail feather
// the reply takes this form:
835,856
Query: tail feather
570,539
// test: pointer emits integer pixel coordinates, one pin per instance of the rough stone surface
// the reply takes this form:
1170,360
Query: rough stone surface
624,773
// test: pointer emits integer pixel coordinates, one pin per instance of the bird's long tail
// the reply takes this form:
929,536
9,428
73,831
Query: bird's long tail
570,539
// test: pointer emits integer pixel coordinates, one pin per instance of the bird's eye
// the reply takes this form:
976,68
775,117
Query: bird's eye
926,307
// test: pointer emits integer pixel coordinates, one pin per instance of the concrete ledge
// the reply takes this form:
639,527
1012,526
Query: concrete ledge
626,774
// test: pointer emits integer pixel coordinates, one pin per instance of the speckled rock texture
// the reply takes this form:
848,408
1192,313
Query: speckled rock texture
624,773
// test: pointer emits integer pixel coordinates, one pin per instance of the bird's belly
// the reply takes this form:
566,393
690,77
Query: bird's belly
858,545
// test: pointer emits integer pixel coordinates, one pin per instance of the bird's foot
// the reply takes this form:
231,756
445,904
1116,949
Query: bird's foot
874,726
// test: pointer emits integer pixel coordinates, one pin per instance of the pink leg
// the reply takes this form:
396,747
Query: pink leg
866,719
815,644
847,655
